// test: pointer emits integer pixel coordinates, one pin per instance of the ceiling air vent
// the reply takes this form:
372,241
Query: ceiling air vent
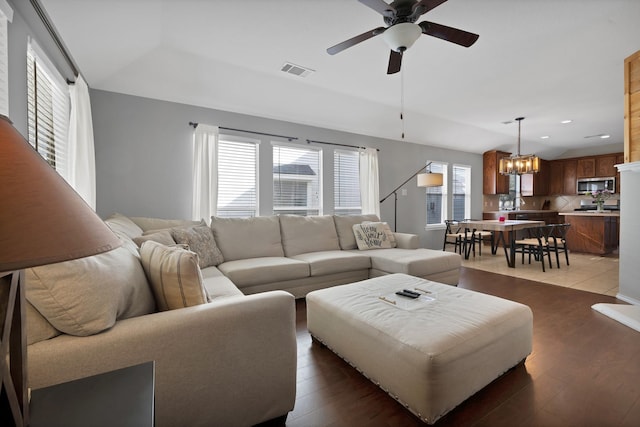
296,70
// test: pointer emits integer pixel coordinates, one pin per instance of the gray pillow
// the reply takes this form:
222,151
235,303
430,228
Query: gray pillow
200,240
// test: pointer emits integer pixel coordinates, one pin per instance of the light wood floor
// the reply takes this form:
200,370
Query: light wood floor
584,371
585,272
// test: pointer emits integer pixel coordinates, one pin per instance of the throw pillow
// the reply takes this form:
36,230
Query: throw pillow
174,275
87,295
162,236
387,230
200,240
371,236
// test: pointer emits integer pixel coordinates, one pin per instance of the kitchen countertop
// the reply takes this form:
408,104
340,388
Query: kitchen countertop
521,211
589,213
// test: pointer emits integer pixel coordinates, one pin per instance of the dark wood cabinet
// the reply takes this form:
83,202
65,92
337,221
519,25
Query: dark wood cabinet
606,166
492,181
569,176
536,184
619,161
556,177
586,167
592,234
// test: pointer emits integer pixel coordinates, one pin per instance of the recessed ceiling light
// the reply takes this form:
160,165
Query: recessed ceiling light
605,136
564,122
544,137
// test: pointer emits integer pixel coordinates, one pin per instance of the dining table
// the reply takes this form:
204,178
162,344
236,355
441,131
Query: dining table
500,227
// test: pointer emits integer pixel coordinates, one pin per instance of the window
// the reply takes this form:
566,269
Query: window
47,109
296,180
6,14
237,177
437,197
346,182
461,192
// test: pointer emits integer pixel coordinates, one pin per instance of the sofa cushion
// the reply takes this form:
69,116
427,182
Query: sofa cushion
302,234
330,262
218,285
119,223
256,271
373,235
87,295
174,275
200,240
240,238
38,328
344,228
155,224
415,262
161,236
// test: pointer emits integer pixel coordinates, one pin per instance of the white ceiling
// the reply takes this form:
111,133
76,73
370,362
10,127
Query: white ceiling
546,60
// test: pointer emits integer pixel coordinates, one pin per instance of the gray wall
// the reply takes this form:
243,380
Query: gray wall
144,160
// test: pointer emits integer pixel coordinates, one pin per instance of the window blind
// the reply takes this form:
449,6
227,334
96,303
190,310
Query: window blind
296,180
461,192
47,110
237,178
4,66
346,183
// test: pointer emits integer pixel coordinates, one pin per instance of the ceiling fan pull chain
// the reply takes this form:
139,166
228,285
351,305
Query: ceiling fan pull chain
402,100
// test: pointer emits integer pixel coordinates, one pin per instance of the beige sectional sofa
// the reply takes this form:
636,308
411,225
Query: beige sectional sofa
99,313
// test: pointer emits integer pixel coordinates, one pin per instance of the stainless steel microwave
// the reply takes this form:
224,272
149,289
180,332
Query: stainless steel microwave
587,185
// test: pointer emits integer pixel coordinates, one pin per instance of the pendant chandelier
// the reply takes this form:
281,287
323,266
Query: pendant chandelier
518,164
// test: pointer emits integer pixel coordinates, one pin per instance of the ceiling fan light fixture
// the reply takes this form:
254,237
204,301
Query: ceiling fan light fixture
401,37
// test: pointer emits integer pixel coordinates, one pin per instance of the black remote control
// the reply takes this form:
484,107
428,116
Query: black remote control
404,293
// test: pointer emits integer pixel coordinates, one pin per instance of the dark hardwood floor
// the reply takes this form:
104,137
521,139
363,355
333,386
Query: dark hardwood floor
584,371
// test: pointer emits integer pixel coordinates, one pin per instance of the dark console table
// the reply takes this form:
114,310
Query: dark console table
122,398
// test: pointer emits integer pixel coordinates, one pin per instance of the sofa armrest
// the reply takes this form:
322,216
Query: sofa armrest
407,241
230,362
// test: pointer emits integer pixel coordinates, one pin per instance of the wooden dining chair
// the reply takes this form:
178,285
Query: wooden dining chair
558,241
537,244
479,236
460,237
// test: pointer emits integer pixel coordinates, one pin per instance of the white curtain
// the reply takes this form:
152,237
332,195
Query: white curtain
369,181
205,172
81,169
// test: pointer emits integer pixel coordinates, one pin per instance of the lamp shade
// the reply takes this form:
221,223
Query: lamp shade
42,219
430,180
401,37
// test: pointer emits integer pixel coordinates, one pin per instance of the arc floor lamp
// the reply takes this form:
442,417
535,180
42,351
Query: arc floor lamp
428,179
42,221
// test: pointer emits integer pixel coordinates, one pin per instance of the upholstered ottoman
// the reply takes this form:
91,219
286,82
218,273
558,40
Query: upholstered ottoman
429,353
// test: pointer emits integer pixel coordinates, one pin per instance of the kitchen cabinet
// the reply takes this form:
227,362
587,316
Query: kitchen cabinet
619,161
569,176
592,233
492,181
586,167
536,184
605,166
556,177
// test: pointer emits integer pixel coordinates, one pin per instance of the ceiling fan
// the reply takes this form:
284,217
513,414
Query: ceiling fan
402,32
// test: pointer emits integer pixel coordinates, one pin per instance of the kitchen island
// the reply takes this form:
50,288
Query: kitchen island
592,232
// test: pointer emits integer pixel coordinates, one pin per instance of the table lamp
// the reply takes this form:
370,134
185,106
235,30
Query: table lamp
42,221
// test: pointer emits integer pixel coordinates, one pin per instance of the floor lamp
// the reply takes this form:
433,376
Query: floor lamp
427,179
42,221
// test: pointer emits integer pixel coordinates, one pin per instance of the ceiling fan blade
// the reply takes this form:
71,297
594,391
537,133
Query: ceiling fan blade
424,6
450,34
355,40
379,6
395,62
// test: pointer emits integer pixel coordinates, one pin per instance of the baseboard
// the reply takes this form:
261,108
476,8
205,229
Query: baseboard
627,299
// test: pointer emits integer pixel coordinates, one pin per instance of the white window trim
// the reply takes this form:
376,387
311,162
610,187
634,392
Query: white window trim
467,201
445,214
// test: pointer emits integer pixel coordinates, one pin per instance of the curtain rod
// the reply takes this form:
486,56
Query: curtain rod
290,138
309,141
54,35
